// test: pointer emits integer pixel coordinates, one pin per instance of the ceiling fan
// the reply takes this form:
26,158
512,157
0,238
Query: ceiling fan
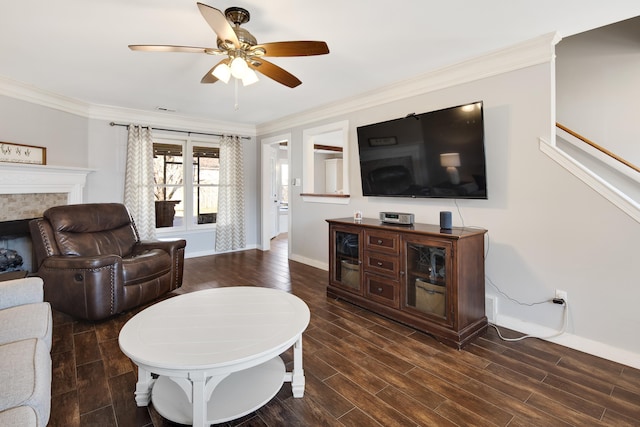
243,55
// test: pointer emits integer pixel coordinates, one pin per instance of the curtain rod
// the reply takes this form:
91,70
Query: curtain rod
177,130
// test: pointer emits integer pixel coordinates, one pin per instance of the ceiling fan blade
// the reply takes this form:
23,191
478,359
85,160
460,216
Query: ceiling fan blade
274,72
219,24
168,48
209,77
294,48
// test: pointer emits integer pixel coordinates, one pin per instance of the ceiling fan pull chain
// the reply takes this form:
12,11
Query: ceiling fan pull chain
236,106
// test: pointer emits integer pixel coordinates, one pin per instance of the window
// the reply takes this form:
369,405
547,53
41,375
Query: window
185,197
206,174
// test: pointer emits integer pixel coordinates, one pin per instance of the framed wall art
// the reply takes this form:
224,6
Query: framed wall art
20,153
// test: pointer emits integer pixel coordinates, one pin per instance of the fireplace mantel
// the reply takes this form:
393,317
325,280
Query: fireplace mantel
17,178
26,191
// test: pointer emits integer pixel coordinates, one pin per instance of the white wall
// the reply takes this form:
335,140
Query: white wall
547,230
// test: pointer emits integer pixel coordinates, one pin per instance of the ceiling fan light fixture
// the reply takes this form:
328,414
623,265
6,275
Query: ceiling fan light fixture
222,72
239,67
250,77
243,55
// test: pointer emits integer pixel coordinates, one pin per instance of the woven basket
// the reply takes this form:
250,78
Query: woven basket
350,274
430,298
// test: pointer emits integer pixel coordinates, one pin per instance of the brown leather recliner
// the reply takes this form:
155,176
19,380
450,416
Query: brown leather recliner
94,265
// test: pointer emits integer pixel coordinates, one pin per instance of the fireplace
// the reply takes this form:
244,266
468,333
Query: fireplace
26,191
15,244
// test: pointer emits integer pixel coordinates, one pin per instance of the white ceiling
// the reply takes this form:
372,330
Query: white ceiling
78,48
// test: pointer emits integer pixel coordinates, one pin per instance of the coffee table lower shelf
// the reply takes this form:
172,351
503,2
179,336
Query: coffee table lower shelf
237,395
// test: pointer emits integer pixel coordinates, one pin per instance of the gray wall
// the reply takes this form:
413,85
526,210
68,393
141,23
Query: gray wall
63,134
598,86
76,141
547,229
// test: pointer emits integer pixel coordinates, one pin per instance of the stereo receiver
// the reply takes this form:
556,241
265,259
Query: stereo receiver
397,218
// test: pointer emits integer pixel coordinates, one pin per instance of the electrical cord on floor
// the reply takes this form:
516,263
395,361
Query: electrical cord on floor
565,308
565,320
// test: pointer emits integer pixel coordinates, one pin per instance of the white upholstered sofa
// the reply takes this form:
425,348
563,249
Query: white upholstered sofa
25,359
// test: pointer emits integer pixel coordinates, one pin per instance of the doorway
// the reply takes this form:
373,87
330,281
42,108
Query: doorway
275,210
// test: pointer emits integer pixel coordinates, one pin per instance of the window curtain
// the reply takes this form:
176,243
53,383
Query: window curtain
230,223
138,181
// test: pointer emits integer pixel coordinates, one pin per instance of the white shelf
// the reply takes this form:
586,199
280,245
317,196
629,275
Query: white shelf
237,395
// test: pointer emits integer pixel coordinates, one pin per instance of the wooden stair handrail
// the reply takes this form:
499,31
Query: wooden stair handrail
599,148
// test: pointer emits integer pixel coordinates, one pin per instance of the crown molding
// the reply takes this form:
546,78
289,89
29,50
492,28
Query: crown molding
28,93
169,120
34,95
531,52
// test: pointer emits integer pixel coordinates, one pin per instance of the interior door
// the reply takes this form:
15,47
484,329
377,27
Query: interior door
266,201
274,198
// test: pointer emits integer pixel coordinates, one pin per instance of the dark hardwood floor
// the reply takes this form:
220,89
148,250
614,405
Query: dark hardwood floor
361,369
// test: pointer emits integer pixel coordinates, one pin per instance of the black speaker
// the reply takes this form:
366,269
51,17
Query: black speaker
445,220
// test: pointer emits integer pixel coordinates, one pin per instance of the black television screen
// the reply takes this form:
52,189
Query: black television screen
434,154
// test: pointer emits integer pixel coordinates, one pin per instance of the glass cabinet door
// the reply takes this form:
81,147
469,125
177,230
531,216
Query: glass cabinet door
347,264
427,274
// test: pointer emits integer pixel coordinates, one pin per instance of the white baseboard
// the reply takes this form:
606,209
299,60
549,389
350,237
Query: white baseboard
312,262
575,342
213,252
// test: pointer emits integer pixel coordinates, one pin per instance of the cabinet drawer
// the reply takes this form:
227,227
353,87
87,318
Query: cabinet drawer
382,290
387,265
382,241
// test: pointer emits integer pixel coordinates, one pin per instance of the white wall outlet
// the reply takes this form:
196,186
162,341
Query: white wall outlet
560,294
491,308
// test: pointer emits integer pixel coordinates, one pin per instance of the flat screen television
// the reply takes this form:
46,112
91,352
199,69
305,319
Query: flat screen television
436,154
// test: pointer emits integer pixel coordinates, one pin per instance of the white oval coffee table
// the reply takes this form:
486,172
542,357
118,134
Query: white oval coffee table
212,356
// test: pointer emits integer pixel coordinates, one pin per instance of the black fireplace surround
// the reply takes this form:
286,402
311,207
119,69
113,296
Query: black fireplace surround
14,228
